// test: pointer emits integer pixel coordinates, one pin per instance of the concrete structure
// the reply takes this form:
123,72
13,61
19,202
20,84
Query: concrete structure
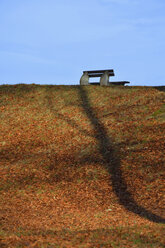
104,80
84,80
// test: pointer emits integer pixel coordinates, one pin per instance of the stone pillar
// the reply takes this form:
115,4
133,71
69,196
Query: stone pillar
84,80
104,80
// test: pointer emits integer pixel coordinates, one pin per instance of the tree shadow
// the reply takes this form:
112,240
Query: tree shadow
111,160
110,155
62,117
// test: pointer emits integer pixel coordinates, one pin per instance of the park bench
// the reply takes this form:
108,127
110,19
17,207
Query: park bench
104,77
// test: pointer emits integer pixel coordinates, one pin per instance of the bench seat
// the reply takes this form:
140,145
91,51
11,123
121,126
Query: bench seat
103,74
99,73
104,77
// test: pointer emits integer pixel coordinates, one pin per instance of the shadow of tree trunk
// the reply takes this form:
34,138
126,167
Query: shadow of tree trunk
111,161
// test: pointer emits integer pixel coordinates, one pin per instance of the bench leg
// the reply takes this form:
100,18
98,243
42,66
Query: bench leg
104,80
84,80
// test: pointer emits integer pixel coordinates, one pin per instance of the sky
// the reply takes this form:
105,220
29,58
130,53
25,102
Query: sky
53,41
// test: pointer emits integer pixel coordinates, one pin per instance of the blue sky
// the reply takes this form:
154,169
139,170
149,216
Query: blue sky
53,41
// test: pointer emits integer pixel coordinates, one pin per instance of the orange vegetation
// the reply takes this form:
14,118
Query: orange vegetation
82,166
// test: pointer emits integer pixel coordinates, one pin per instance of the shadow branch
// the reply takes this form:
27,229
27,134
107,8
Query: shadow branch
111,160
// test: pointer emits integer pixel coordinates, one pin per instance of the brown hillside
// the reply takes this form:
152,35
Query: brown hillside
82,166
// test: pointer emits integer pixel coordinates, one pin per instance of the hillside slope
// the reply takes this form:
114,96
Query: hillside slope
82,166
